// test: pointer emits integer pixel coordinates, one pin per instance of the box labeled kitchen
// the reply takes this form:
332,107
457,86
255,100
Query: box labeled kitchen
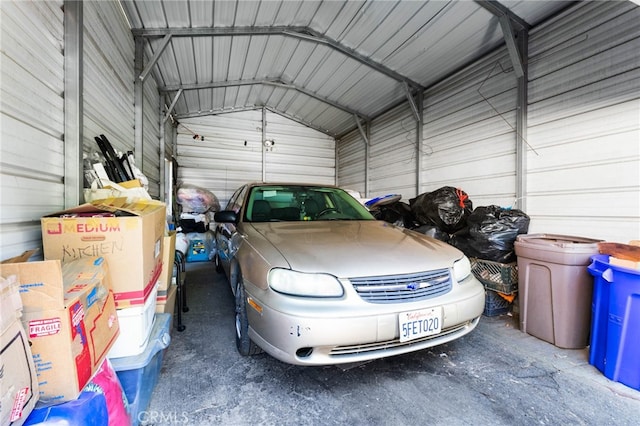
128,235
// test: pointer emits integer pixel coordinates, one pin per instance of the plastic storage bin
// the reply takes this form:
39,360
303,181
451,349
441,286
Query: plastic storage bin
139,374
615,330
555,288
135,328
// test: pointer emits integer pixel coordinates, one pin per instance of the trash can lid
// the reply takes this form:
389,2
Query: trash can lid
560,241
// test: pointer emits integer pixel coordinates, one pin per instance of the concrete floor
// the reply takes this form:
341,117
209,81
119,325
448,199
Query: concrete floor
496,375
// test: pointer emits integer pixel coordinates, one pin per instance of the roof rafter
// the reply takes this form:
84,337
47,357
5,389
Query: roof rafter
509,23
268,82
303,33
254,108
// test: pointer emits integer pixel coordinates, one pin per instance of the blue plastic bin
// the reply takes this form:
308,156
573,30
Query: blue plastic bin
139,374
615,334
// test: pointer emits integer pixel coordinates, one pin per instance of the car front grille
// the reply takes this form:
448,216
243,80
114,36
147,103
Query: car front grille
403,288
388,345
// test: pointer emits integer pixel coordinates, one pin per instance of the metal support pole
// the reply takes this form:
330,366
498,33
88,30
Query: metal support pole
161,125
138,102
73,103
264,148
521,123
419,140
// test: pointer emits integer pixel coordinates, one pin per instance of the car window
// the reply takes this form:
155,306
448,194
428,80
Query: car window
236,201
272,203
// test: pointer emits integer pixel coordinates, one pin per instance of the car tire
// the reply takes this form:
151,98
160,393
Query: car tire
245,345
216,261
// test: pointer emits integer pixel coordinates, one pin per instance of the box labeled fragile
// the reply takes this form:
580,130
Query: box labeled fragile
19,386
69,315
128,235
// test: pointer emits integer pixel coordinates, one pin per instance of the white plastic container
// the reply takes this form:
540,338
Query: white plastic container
135,328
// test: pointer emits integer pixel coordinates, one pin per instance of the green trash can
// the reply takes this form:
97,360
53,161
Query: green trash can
555,287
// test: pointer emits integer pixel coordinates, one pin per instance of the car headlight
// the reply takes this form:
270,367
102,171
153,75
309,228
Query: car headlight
302,284
461,268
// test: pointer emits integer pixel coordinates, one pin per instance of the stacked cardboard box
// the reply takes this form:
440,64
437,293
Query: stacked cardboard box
19,386
167,288
130,236
70,316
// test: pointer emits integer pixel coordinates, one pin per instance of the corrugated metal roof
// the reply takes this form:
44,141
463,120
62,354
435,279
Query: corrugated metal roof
318,62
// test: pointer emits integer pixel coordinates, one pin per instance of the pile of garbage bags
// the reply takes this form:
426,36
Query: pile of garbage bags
447,214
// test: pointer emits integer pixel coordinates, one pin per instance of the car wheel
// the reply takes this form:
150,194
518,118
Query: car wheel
216,261
244,344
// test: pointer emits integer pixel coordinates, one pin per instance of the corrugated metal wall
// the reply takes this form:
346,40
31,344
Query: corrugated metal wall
298,154
469,136
109,90
583,144
351,161
232,152
32,121
108,77
392,150
584,123
32,147
468,139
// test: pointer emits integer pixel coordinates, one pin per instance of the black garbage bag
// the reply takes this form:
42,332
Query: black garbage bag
433,232
491,232
398,213
447,208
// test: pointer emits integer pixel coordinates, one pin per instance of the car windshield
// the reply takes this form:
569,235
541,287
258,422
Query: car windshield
302,203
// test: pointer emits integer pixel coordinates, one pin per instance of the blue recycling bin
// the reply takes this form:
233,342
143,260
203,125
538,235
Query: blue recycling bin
615,335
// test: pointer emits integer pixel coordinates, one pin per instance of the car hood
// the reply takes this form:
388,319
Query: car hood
355,248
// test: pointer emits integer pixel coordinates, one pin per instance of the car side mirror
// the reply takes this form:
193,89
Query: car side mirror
226,216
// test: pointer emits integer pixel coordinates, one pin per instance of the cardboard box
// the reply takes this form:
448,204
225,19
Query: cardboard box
128,235
166,301
69,315
19,385
625,263
168,257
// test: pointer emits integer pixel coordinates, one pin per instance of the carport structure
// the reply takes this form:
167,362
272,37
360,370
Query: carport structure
525,104
317,62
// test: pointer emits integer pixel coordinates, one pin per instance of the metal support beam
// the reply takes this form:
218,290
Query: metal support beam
163,45
521,126
514,53
509,23
365,138
73,103
173,104
264,139
268,82
138,102
412,103
161,123
498,9
302,33
419,141
362,133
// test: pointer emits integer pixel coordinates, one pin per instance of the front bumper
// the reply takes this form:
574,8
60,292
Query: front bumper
324,332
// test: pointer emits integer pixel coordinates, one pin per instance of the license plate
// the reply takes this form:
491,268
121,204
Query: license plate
416,324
